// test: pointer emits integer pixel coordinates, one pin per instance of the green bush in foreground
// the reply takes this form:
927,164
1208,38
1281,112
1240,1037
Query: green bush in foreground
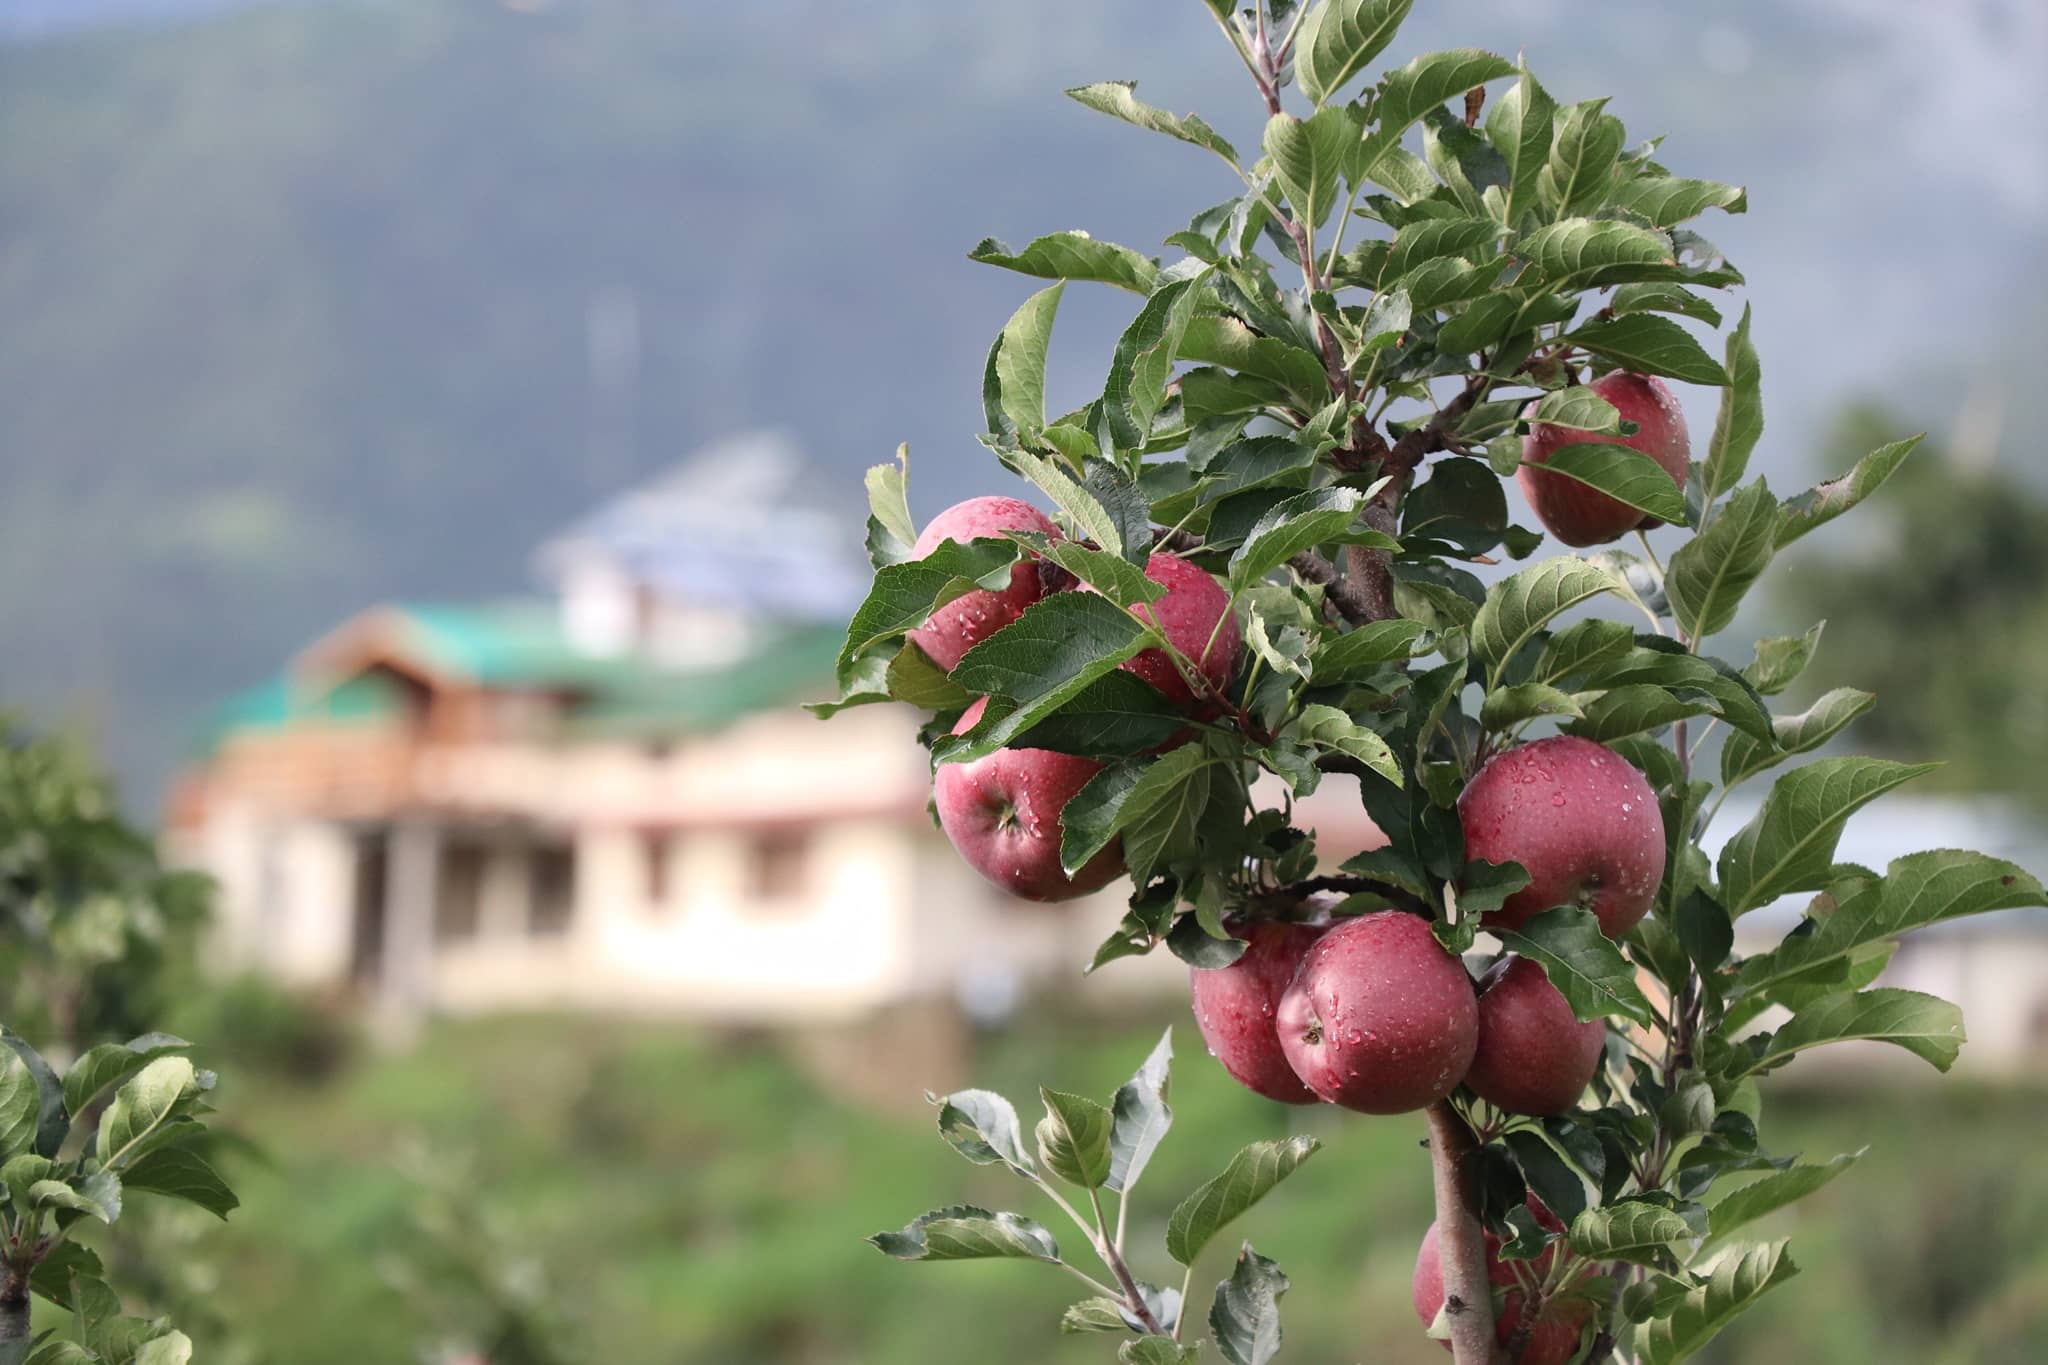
1257,568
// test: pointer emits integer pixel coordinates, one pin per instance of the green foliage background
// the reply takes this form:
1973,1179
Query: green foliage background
695,1199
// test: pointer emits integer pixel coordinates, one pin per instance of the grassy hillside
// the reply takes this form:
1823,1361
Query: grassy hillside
657,1195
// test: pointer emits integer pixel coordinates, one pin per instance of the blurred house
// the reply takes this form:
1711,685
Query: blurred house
607,798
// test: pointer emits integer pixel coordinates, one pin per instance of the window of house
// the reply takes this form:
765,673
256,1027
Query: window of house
655,857
554,890
781,865
458,896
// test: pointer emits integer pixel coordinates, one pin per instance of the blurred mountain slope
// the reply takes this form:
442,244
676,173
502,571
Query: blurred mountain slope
314,304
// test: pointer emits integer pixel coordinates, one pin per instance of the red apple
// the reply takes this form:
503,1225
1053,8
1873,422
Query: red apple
1577,514
1553,1340
1534,1056
1002,813
972,617
1188,615
1379,1017
1234,1007
1580,819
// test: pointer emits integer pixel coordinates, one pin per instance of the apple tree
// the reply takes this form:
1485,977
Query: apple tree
1260,573
86,1129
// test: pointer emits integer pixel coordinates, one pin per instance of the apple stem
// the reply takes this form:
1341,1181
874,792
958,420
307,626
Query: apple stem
1461,1242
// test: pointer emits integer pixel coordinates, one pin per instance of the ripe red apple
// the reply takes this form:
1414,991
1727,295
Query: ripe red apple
1002,813
1534,1057
1577,514
1234,1007
1188,615
1583,822
972,617
1553,1340
1379,1017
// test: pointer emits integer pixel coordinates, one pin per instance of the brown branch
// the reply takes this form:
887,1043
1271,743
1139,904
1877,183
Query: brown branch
1345,594
1461,1242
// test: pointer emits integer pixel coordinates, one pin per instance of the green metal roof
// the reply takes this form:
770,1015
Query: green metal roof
521,645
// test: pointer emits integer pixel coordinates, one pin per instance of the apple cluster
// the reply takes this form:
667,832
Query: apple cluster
1002,812
1370,1012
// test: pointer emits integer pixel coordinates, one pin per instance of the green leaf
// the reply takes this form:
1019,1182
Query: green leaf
1141,1117
1308,158
1508,707
1742,757
1337,40
1634,709
1585,965
1689,674
891,533
983,1127
172,1348
1153,1350
1251,1175
1044,659
1519,126
1789,845
1013,391
1359,651
1116,715
1576,247
1109,573
20,1106
1420,86
1780,659
142,1106
1119,99
1077,503
1649,344
1744,1206
1666,201
1546,1173
1927,1026
1622,473
56,1351
1154,805
1435,238
1299,523
1073,256
1709,575
1073,1138
962,1232
1581,169
1740,421
1637,1230
1737,1282
1520,605
1580,409
903,596
56,1194
1228,342
1245,1316
1326,727
181,1173
1143,364
1094,1315
1255,461
109,1064
1582,647
51,1122
1918,889
1657,297
1822,503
